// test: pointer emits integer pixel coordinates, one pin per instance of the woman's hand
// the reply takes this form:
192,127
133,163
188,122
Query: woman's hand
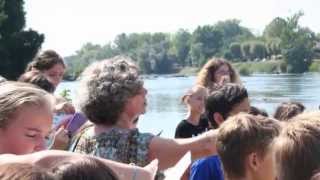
151,170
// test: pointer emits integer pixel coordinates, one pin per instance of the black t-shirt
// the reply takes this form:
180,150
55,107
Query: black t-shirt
186,129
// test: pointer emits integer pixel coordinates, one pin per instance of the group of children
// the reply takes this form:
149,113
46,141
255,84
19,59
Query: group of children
250,145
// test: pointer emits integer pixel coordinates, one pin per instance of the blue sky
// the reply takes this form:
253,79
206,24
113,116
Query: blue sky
68,24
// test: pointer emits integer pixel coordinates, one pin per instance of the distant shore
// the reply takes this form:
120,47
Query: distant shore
244,68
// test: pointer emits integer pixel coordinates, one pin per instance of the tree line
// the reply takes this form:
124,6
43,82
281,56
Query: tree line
160,53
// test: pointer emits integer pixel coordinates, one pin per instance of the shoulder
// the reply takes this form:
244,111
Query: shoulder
183,130
206,168
182,123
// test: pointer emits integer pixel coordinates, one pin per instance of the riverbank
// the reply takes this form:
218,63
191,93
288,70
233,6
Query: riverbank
261,67
244,68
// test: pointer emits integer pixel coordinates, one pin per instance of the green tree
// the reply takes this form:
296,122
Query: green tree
232,31
258,50
235,50
181,44
207,40
245,49
3,15
275,28
17,47
297,43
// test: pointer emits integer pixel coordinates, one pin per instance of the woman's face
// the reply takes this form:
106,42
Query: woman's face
27,132
55,74
222,75
136,106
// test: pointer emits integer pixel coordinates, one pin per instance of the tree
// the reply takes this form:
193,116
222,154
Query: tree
275,28
17,47
232,31
208,39
245,49
3,15
235,50
258,50
181,43
297,43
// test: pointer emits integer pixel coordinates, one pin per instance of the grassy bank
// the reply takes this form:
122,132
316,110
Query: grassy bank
247,68
189,71
268,67
315,66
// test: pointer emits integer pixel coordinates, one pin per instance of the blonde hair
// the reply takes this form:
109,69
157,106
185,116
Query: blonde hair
17,95
193,90
206,75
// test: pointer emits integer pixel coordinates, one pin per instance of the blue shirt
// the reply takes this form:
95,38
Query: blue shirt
208,168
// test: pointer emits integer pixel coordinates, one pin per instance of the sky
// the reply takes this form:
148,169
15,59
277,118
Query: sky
68,24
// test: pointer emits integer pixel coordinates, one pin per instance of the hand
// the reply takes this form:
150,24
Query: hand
224,80
65,107
61,139
150,170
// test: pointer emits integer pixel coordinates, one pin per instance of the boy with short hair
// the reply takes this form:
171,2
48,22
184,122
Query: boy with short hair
220,104
298,147
245,146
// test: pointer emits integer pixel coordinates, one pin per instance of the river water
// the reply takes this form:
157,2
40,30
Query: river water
266,91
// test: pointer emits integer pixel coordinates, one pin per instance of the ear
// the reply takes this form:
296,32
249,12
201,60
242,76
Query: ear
218,118
253,161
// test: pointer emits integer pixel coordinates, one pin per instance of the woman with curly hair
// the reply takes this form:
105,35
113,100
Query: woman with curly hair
217,72
112,96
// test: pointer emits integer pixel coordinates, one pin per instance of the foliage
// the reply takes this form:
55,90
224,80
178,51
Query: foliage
232,31
66,94
181,45
235,50
14,39
275,28
170,52
207,42
315,66
297,43
247,68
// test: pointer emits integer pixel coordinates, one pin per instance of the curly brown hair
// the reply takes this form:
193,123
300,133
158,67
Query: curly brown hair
106,86
206,75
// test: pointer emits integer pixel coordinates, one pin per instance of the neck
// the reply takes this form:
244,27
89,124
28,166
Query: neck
193,118
124,122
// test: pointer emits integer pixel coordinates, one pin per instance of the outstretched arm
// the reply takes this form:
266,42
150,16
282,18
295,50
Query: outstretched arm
47,158
170,151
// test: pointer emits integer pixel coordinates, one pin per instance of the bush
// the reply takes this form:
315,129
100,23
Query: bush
244,70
